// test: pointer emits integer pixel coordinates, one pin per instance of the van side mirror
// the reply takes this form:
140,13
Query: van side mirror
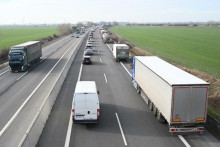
98,92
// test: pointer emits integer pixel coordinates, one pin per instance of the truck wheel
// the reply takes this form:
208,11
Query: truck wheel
154,111
138,90
160,117
151,106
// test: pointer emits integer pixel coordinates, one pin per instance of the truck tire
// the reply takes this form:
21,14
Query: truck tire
154,111
160,117
138,90
151,106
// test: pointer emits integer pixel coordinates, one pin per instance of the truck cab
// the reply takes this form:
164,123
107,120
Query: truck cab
17,59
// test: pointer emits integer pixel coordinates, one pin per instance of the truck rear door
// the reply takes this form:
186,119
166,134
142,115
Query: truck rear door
189,104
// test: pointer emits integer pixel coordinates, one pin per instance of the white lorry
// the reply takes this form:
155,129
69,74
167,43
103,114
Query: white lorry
172,94
85,105
120,52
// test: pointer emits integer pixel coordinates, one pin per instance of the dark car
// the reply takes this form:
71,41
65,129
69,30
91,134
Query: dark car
88,47
87,60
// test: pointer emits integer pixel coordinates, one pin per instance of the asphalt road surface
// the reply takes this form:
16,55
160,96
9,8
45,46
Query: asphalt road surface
27,90
125,118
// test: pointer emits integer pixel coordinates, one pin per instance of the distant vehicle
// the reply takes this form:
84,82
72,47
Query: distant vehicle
120,52
89,45
77,36
172,94
77,30
89,52
83,29
85,105
91,40
106,38
72,35
87,60
21,56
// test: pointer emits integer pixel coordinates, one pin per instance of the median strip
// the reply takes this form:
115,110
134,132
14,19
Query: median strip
28,98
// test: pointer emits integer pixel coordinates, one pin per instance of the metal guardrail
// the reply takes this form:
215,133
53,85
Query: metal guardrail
213,126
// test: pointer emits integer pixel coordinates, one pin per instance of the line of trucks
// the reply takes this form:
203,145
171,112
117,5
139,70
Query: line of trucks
106,37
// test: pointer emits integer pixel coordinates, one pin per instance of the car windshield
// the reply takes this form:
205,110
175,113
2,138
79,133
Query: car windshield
87,58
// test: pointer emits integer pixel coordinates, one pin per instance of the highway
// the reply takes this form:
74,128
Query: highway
21,94
125,117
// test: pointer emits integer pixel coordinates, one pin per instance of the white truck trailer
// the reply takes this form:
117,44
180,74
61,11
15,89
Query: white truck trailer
120,52
172,94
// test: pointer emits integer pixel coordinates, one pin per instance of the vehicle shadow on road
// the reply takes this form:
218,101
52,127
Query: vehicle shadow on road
133,121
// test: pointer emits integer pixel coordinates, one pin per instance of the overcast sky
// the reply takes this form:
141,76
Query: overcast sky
72,11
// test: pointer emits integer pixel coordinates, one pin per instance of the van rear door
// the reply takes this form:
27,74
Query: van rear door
92,104
80,107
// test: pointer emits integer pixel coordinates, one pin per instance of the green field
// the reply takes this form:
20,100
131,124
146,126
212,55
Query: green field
193,47
10,36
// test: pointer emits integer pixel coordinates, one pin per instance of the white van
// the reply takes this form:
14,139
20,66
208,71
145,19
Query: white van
85,106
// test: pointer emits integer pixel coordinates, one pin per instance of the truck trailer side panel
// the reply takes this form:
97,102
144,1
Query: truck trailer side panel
159,92
34,52
179,96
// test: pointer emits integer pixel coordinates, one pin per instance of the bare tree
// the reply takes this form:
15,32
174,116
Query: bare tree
115,23
64,29
103,22
79,25
211,23
89,24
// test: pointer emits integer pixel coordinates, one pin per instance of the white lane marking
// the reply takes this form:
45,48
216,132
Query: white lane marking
4,72
122,133
42,59
25,102
184,141
28,130
54,44
109,47
105,78
22,76
100,60
80,72
126,69
68,134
